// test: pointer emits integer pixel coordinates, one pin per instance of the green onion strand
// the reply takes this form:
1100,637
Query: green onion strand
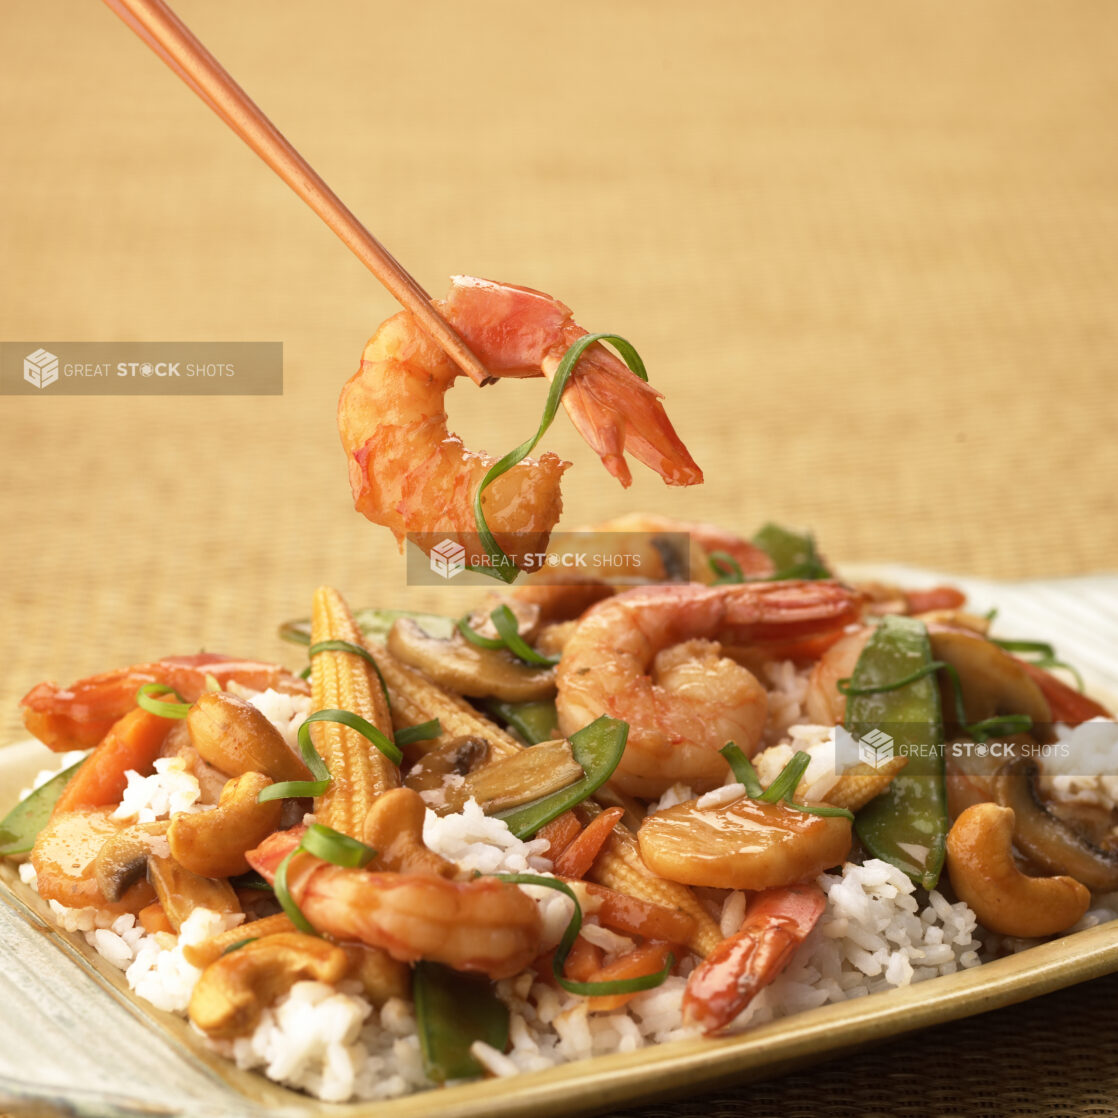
239,944
159,706
726,568
786,782
783,787
743,769
504,621
570,934
336,848
980,731
357,650
322,778
1045,657
425,731
286,900
499,561
331,846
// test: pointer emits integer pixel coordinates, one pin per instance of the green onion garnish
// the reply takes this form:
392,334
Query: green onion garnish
499,561
789,777
1045,657
980,731
726,568
559,959
424,731
158,706
504,621
331,846
783,787
289,788
357,650
743,769
239,944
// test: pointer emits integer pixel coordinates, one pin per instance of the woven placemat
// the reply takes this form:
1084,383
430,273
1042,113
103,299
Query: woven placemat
869,252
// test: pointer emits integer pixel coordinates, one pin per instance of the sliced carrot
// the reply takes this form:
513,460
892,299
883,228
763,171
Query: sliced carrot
133,742
559,833
642,918
579,855
584,960
646,959
154,919
938,597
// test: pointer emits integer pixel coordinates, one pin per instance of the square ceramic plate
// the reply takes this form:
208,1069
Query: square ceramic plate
72,1034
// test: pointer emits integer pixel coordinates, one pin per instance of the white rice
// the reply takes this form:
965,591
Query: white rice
333,1044
1082,765
166,792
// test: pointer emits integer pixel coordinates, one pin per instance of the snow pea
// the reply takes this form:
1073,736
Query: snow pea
533,721
907,824
20,826
793,555
597,748
452,1010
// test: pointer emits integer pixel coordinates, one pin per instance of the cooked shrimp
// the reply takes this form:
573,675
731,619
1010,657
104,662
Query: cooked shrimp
631,550
776,923
79,716
480,925
410,474
824,703
653,657
662,558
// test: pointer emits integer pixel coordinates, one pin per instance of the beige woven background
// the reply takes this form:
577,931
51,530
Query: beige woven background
869,251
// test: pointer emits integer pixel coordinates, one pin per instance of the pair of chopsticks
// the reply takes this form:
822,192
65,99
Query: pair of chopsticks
173,41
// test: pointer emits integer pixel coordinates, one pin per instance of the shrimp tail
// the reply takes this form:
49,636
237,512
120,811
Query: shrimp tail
724,984
518,332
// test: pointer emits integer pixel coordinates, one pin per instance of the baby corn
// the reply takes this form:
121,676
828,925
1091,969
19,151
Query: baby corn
620,867
861,783
345,681
415,699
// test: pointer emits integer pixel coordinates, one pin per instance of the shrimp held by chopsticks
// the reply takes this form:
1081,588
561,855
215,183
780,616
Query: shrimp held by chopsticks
409,473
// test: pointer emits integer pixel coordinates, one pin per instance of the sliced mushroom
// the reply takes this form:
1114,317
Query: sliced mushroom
993,682
453,757
527,616
518,779
180,892
463,667
123,859
1051,843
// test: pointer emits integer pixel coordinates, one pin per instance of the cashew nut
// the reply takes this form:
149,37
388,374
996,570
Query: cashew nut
234,737
381,976
394,829
229,997
1005,900
213,843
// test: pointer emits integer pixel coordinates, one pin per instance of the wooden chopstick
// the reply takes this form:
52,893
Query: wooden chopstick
174,43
